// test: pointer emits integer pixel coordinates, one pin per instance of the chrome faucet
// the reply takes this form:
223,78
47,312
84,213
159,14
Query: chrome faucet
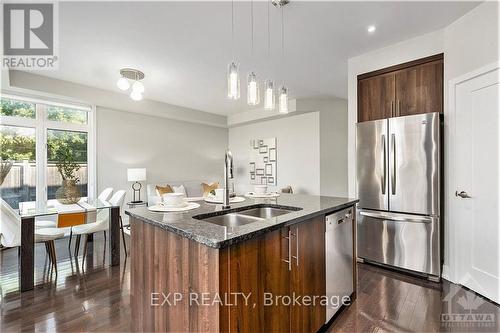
228,174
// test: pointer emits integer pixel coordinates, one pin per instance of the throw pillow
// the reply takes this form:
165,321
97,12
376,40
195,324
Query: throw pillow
207,188
161,190
179,189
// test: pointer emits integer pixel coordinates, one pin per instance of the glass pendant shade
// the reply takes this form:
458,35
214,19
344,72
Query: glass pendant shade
252,90
135,95
138,86
233,81
269,95
283,100
123,83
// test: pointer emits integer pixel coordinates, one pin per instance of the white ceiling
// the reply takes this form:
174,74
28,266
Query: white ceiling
184,47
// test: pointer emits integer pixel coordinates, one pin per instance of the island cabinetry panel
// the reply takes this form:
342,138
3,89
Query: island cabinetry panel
308,274
273,269
166,267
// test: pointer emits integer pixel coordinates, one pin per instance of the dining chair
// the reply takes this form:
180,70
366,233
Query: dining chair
101,224
105,194
70,220
11,232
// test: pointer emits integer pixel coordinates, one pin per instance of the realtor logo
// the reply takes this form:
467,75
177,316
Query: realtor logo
29,36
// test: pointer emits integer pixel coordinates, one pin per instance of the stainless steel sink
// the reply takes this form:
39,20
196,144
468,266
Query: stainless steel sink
245,215
265,212
232,220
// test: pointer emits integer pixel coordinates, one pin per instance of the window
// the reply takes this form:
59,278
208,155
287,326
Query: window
33,133
17,145
16,108
59,141
67,115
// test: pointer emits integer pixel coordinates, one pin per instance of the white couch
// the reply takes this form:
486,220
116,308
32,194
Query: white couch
193,189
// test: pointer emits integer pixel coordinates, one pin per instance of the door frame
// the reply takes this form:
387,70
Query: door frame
452,267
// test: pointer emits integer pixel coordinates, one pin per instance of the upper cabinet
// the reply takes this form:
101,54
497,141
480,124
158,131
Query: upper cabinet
406,89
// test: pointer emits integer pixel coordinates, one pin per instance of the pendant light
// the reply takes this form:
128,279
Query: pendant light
233,75
283,96
253,97
268,84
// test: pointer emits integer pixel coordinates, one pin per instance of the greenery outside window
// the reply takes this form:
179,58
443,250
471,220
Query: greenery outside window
29,126
15,108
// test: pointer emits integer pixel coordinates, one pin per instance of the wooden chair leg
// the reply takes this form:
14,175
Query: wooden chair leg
123,236
104,237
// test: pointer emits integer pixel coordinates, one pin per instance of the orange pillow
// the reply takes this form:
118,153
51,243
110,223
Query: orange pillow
207,188
161,190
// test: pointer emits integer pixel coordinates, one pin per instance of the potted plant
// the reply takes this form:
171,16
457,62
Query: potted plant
68,193
5,167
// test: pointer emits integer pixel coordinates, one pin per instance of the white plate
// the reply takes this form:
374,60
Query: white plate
266,195
159,208
231,200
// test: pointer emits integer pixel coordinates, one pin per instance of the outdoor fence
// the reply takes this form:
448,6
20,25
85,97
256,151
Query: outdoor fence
20,183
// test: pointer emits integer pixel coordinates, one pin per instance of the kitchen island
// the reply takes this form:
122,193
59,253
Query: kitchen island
259,266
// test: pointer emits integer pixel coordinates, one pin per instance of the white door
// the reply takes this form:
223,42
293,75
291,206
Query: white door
475,209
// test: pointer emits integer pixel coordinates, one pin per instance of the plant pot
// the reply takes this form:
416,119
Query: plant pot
68,193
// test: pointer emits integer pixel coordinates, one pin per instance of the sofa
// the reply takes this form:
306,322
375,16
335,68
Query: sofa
193,189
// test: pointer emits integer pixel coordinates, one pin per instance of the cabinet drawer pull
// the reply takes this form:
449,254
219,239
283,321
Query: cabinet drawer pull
289,261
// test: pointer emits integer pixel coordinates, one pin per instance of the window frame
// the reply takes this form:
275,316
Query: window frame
41,124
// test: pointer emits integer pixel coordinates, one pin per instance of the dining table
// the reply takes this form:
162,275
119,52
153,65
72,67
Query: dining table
30,211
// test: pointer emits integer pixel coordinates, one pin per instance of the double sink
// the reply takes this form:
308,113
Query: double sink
246,215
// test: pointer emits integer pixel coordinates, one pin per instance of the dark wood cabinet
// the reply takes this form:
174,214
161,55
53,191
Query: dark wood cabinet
376,97
278,265
406,89
419,89
308,274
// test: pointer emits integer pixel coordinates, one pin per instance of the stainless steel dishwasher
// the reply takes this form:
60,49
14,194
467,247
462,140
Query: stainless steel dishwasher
339,259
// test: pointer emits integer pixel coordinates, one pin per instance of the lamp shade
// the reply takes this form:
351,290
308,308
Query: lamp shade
136,174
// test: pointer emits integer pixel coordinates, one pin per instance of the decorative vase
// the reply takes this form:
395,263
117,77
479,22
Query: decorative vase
68,193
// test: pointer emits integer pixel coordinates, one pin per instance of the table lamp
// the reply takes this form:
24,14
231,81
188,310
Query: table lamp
136,175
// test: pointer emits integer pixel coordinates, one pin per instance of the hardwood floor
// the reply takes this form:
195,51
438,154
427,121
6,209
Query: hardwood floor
91,296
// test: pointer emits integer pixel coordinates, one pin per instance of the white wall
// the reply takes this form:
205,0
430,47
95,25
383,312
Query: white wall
298,151
168,149
469,43
333,148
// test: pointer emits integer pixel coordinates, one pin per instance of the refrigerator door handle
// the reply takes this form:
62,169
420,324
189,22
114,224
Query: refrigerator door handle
397,217
384,156
393,171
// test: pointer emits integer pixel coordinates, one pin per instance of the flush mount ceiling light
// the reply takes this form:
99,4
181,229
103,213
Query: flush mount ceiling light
371,29
131,75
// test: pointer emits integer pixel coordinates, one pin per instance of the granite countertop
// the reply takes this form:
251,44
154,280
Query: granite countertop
216,236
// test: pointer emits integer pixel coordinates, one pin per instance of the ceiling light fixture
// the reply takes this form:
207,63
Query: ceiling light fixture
253,97
371,29
283,97
130,74
233,76
268,84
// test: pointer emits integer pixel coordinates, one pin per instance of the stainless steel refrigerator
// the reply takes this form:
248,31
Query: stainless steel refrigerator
398,176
